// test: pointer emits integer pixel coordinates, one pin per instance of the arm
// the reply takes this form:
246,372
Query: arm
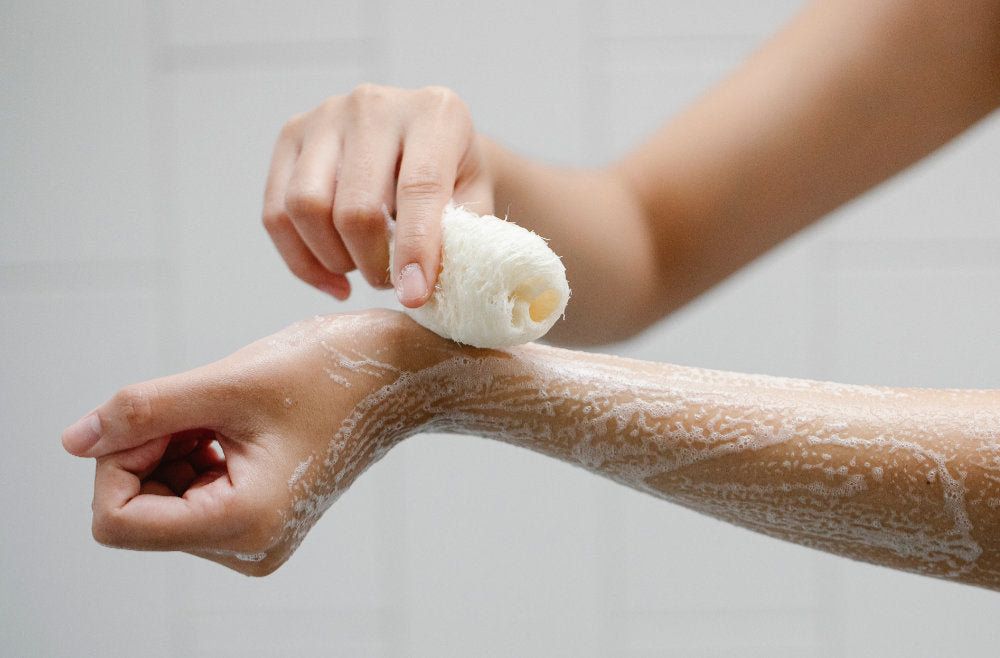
908,479
845,96
905,478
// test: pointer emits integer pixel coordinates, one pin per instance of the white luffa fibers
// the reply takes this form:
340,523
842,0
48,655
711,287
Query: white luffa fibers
500,285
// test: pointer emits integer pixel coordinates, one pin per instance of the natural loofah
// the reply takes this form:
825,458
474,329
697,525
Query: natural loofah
500,284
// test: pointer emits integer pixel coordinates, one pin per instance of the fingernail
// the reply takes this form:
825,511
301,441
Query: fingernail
82,435
411,287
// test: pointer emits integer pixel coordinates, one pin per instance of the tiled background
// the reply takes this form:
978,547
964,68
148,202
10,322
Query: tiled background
135,140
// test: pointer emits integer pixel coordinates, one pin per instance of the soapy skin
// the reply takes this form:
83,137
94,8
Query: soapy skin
905,478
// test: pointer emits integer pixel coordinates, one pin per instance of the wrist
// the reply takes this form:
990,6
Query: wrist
439,382
419,398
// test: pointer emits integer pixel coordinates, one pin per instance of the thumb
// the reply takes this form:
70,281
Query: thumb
141,412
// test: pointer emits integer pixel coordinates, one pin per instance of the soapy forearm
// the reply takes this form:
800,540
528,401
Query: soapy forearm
904,478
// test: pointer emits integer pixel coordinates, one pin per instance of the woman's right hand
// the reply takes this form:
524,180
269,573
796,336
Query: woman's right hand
339,169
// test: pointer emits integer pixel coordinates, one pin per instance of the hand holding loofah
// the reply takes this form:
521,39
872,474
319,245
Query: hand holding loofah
500,284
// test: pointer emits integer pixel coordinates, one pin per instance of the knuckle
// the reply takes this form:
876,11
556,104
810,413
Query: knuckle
424,181
330,105
134,405
107,530
292,127
366,94
307,203
359,216
414,242
442,96
447,103
274,218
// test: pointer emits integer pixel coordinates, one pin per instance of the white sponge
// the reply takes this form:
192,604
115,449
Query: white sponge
500,285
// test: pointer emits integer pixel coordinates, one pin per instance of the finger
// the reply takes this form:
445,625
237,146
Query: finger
435,143
309,199
155,488
188,443
128,516
283,159
182,444
364,194
299,258
205,457
142,412
303,263
215,512
177,475
422,193
473,188
180,472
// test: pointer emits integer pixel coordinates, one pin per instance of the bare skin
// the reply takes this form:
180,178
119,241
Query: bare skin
904,478
848,94
337,170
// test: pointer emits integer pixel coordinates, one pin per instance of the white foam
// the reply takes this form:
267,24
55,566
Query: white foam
863,472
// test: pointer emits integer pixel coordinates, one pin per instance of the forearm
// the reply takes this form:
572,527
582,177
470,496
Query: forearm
903,478
594,224
848,94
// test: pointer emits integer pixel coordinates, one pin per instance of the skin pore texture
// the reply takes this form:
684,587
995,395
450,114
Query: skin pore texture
905,478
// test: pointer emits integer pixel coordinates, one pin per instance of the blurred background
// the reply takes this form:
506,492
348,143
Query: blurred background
136,138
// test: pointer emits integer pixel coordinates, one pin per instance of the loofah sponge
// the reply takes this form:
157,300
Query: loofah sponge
500,285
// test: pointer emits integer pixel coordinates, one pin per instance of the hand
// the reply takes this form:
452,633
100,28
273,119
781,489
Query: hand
338,171
285,414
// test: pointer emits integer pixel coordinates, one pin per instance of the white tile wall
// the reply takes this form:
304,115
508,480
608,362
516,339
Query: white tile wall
66,344
635,18
517,64
74,80
226,22
914,313
524,543
137,136
227,121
